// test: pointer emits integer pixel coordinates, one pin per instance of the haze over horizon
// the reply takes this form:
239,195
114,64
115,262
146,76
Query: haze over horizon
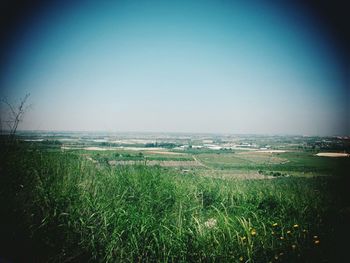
182,66
123,132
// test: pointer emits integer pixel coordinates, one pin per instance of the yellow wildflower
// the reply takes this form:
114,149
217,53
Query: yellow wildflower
276,257
272,232
274,224
289,232
295,225
304,230
315,237
281,238
317,242
241,258
253,232
294,246
243,238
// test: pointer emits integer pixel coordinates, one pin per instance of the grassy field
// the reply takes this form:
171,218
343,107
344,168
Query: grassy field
61,207
297,161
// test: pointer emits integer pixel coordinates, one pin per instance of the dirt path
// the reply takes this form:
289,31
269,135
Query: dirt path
201,164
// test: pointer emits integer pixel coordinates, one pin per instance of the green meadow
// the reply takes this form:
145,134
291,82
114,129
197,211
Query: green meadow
62,207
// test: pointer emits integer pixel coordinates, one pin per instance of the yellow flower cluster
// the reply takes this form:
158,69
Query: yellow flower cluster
291,237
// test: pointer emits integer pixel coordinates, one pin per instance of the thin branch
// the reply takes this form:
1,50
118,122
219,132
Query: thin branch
17,114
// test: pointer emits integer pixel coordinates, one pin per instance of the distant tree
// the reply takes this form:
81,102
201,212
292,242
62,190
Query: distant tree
15,114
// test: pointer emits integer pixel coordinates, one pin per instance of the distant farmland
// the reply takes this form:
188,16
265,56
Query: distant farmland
79,203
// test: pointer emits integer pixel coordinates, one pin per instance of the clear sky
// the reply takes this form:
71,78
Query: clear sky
179,66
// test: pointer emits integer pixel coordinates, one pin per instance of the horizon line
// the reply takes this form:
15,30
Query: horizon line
182,132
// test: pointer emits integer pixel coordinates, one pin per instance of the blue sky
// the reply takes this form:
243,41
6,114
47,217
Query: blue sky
180,66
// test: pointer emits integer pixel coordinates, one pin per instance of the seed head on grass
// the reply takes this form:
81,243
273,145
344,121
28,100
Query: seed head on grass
211,223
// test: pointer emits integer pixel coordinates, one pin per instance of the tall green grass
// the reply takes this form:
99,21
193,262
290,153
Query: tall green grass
60,207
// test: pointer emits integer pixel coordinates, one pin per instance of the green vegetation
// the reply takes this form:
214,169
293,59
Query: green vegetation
192,150
123,155
61,207
297,162
165,145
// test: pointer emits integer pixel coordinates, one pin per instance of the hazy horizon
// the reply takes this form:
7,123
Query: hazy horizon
177,132
181,67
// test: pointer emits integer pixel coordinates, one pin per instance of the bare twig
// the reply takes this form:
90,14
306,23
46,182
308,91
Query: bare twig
16,114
